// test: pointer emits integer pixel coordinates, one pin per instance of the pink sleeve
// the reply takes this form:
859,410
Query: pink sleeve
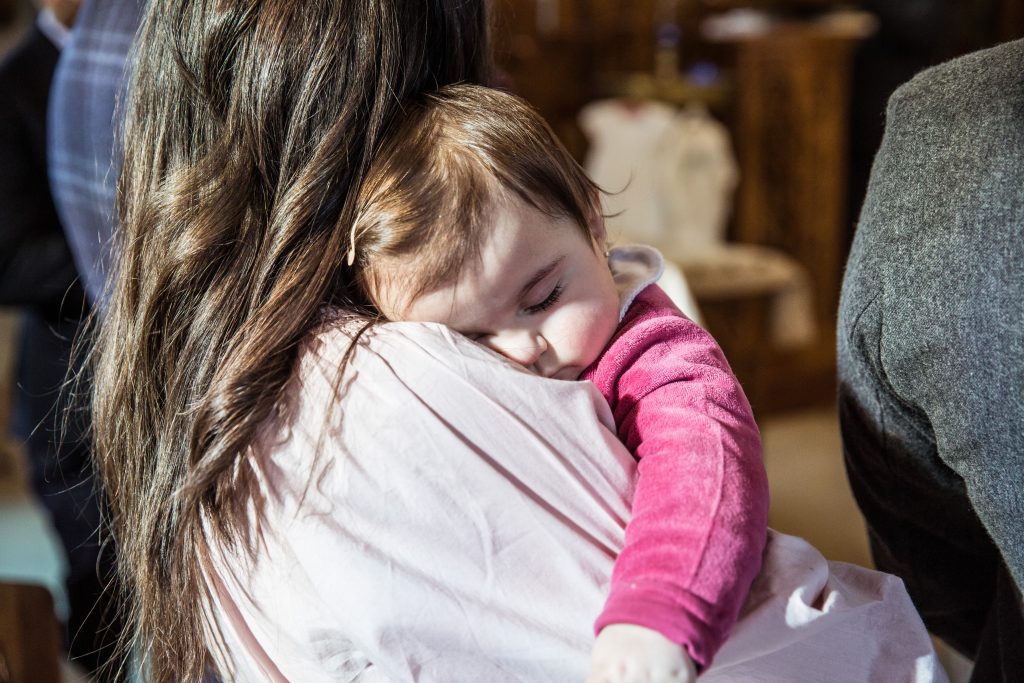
699,515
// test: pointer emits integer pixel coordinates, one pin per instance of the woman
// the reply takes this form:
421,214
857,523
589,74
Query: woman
244,106
293,506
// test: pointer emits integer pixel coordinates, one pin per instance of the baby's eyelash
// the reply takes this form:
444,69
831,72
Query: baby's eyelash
552,299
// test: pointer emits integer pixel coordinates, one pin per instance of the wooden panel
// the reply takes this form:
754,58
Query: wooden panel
789,120
29,636
791,128
545,62
792,108
1009,20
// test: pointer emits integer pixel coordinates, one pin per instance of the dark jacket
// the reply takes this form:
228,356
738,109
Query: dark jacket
36,267
931,352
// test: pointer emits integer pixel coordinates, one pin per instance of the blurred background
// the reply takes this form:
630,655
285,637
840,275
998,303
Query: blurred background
737,136
800,87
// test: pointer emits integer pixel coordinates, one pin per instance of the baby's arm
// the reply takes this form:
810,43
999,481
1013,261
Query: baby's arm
699,522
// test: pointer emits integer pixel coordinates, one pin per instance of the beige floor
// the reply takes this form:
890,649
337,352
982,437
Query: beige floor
811,498
810,495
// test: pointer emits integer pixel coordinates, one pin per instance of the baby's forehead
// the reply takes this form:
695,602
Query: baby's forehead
405,280
462,302
479,259
451,249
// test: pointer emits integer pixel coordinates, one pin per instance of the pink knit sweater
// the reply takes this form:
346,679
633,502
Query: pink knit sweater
699,522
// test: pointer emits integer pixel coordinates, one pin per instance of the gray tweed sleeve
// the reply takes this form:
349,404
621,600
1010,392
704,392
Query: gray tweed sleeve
931,338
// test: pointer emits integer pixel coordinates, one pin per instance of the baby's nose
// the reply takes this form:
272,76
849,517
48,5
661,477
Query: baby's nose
521,346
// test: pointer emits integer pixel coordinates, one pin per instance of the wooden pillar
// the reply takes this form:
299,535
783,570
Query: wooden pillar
29,635
791,130
792,106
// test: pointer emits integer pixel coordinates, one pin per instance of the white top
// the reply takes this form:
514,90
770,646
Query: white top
668,175
460,525
697,174
448,514
634,267
624,141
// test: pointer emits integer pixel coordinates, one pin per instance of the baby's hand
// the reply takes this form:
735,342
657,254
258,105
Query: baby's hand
624,653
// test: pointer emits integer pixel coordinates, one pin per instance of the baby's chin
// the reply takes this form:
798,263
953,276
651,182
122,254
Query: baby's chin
568,373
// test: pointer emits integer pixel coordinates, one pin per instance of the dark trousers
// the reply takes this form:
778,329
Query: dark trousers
53,424
922,528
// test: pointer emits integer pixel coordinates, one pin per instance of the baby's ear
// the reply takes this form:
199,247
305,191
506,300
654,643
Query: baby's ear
598,232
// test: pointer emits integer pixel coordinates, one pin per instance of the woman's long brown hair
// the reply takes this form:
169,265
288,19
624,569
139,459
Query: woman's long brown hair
248,127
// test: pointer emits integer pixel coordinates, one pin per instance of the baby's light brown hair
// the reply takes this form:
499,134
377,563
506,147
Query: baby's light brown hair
428,201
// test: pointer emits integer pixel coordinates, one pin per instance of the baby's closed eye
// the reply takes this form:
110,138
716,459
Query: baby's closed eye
548,302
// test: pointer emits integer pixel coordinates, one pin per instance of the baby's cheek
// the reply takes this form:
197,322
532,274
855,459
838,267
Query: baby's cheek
601,326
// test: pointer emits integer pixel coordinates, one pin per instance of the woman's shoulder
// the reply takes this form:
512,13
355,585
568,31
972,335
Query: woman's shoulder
356,384
400,350
436,460
398,390
972,91
369,375
335,332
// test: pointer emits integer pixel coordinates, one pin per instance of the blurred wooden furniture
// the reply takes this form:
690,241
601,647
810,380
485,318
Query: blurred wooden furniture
8,363
740,325
787,109
29,635
790,129
8,11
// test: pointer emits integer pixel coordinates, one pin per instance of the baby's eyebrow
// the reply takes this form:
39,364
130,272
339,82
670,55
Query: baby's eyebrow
540,275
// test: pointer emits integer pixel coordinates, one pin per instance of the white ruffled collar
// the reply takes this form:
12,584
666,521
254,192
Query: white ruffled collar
634,267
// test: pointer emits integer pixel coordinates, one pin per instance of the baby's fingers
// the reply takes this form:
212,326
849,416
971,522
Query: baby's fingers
626,653
630,672
621,673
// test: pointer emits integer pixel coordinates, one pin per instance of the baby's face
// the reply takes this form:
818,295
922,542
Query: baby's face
541,295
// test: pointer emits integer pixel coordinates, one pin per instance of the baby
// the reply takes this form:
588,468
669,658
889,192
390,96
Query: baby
474,216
